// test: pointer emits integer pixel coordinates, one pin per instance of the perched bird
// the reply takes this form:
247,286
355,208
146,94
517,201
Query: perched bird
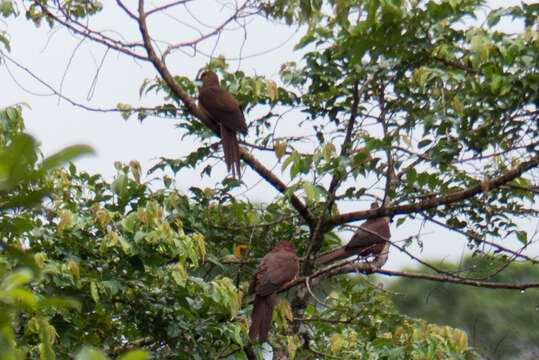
363,243
277,268
225,111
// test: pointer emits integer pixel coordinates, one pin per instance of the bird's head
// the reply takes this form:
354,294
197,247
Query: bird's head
285,246
209,78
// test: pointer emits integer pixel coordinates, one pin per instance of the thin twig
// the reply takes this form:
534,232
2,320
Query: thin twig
166,6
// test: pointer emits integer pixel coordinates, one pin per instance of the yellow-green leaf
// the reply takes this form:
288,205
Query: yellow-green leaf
65,220
94,292
135,170
272,89
292,345
89,353
337,342
285,310
136,355
458,106
74,267
280,149
328,151
309,191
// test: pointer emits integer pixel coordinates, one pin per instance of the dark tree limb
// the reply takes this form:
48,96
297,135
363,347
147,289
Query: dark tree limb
454,197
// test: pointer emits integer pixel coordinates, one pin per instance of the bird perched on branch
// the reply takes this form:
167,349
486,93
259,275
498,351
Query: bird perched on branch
276,269
225,110
369,239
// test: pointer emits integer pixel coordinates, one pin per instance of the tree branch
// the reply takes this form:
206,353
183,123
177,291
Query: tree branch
437,201
485,284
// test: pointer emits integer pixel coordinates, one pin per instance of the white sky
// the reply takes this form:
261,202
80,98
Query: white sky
51,55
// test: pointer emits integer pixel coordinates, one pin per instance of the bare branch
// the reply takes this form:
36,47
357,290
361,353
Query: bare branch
126,10
215,31
94,35
491,285
58,93
166,6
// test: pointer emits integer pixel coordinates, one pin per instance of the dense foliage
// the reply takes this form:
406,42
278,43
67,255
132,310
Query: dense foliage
122,265
408,102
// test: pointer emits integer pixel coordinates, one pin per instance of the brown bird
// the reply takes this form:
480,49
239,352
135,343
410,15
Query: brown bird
225,111
363,243
276,269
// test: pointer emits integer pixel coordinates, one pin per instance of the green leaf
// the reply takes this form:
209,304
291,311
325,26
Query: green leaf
136,355
424,143
288,160
522,236
458,106
496,83
94,292
271,87
422,178
411,176
119,186
494,16
305,40
17,160
19,296
17,278
90,353
47,335
310,192
65,155
481,47
12,114
6,8
328,151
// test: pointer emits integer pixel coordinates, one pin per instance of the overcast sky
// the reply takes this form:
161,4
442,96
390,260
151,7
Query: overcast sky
66,63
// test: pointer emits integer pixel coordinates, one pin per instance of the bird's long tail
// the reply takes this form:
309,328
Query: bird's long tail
333,255
231,148
261,317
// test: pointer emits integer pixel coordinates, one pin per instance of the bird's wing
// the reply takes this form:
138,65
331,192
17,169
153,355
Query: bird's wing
214,98
276,269
223,107
363,238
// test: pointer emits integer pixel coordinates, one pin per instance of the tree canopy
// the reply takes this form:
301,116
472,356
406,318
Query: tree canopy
411,103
